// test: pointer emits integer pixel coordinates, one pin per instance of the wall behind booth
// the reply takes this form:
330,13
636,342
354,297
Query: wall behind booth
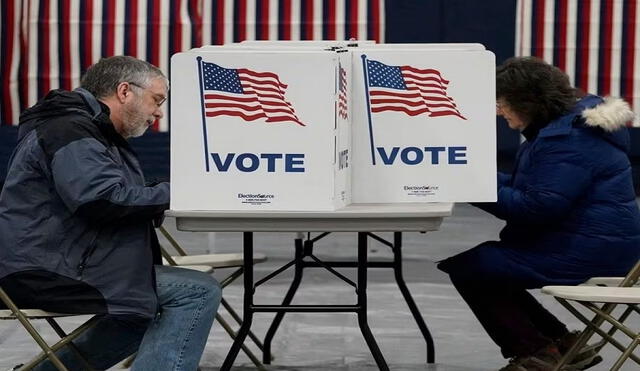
47,44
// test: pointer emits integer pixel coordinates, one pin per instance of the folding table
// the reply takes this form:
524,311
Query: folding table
364,219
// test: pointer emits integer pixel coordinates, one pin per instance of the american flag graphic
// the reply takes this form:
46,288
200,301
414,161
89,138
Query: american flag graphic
596,42
48,44
246,94
409,90
343,106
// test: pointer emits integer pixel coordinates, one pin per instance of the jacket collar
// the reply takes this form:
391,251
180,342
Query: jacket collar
563,124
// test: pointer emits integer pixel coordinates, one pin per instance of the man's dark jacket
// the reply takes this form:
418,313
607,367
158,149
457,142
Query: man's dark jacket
75,214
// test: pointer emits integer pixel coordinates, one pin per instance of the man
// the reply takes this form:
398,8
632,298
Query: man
76,225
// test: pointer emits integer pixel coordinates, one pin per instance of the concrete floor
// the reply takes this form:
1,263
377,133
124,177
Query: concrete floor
314,342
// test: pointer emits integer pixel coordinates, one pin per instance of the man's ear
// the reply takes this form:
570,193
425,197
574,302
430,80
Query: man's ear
122,91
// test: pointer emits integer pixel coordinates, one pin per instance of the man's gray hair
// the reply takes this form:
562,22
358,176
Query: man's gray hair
102,79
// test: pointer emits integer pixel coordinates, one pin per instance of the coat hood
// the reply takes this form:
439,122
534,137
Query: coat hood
610,115
607,117
59,103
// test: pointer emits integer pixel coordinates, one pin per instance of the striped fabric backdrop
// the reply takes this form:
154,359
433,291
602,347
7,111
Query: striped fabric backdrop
47,44
596,42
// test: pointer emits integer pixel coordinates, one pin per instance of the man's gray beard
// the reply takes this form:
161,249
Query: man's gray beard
135,124
137,131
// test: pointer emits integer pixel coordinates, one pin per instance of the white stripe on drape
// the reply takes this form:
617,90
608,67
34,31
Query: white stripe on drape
616,48
572,26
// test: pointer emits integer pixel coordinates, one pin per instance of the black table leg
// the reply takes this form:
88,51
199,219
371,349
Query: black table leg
397,269
362,303
247,315
297,278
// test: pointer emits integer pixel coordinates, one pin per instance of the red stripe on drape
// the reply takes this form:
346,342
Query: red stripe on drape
630,47
133,27
242,17
219,23
561,48
605,47
110,34
286,21
538,49
331,20
65,39
154,29
196,20
375,19
354,19
87,30
264,22
308,25
43,41
584,63
177,19
24,51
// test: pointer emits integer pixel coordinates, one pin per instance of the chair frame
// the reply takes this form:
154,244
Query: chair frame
604,314
224,283
48,351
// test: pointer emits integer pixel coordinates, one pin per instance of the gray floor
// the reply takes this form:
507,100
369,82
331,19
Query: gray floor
313,342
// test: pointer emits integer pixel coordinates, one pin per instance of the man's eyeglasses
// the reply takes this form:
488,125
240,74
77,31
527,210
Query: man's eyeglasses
160,99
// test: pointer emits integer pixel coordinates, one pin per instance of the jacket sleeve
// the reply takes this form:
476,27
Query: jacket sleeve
504,179
556,176
92,184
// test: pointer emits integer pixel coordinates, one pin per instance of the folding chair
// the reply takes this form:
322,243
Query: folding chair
216,261
25,315
590,296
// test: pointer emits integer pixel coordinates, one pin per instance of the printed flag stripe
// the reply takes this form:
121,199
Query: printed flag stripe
594,41
342,93
46,44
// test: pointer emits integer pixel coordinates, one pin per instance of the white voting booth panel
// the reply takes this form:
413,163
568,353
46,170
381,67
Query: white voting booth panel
423,125
258,130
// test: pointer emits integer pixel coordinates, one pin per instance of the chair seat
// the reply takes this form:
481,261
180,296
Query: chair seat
199,268
217,260
33,313
622,295
606,281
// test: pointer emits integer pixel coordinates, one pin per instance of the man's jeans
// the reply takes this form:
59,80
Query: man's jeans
174,340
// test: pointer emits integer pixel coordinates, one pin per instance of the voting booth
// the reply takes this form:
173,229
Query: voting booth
317,126
423,124
259,130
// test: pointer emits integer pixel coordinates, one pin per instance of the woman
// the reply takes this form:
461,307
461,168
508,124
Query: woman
569,208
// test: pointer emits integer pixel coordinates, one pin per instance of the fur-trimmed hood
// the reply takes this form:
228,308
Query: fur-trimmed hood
606,118
609,115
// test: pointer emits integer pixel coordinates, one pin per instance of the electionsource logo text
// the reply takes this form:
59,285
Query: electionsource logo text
422,190
256,199
256,195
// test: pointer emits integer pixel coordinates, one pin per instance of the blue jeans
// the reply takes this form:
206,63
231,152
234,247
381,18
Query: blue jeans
174,340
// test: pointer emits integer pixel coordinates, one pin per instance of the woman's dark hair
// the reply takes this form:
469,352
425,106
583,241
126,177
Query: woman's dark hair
534,89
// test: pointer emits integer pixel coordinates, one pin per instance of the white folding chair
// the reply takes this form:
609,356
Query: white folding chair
601,300
25,315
